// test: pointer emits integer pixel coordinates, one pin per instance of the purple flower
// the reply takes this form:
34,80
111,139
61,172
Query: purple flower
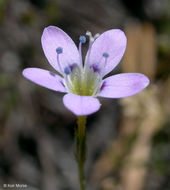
84,82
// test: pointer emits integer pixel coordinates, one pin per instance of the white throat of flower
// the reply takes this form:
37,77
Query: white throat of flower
83,79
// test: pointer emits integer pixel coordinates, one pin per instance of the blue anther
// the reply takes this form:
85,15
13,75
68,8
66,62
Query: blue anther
82,39
59,50
106,55
67,70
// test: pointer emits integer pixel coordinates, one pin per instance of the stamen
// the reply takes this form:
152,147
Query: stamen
67,83
82,41
97,88
59,50
67,71
106,55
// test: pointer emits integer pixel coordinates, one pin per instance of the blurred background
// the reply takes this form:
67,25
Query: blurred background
128,139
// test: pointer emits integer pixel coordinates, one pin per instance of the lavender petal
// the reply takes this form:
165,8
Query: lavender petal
81,105
44,78
123,85
112,43
53,38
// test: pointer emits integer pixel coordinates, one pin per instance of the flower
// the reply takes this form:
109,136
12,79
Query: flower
83,83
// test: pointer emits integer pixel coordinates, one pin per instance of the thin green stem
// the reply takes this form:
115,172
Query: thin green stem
80,135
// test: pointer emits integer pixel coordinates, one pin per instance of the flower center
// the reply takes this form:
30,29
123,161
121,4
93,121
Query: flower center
83,79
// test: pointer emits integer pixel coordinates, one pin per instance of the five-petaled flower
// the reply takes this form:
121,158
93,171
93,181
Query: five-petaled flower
83,82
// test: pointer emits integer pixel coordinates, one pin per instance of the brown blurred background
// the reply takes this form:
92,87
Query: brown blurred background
128,139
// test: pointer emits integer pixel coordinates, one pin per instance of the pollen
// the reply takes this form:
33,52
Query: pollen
59,50
82,39
106,55
67,70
